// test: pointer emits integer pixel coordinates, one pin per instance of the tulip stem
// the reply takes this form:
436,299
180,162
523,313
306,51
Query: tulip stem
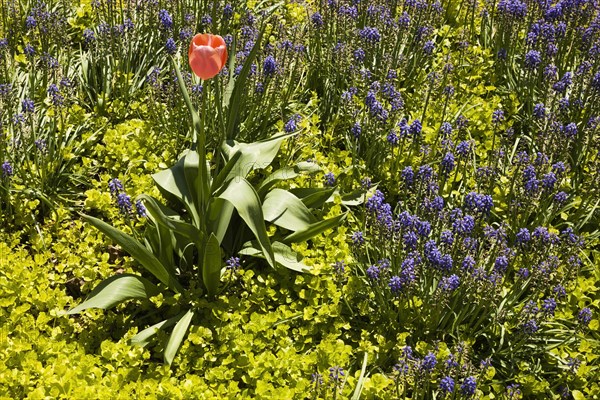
199,138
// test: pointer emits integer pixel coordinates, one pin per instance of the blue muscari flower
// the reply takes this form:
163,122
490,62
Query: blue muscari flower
89,36
370,34
468,263
339,267
3,43
124,203
584,316
227,11
428,47
291,125
404,20
115,186
425,173
560,197
562,85
423,228
432,253
446,128
512,8
29,50
549,306
530,327
501,264
170,46
358,238
570,130
27,106
329,179
549,180
469,386
336,373
447,163
348,11
373,272
185,34
54,93
447,384
449,283
317,379
269,66
497,116
464,226
429,362
30,22
140,209
445,262
7,170
5,89
408,175
165,19
317,20
451,362
523,236
392,138
206,20
559,290
533,59
232,263
463,148
447,237
410,240
395,285
539,111
356,130
359,55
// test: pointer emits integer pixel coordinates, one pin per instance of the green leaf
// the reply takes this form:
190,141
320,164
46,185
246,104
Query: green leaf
168,218
172,181
253,155
286,173
115,290
315,229
219,217
361,379
177,336
140,253
286,210
244,198
224,173
284,255
143,338
314,197
211,265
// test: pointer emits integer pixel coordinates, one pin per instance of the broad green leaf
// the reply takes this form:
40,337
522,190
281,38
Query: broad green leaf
253,155
286,210
211,265
172,181
140,253
115,290
219,217
143,338
286,173
177,336
315,229
284,255
170,219
354,198
224,173
244,198
314,197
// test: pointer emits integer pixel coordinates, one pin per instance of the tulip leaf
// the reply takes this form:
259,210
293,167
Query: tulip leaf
115,290
314,229
177,336
211,265
253,155
143,338
287,211
140,253
172,181
219,216
286,173
314,197
168,218
284,255
244,198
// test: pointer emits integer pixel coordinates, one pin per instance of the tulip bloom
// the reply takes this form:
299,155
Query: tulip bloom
207,55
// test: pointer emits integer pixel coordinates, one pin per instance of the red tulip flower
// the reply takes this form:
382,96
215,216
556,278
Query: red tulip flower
207,55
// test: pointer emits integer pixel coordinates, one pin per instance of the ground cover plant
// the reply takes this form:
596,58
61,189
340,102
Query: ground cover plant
299,199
